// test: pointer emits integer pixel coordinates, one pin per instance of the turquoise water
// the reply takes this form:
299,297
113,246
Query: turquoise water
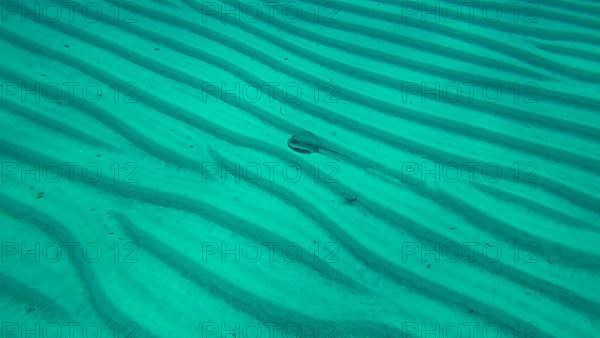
185,168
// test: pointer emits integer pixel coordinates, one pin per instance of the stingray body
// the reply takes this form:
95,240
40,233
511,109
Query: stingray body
305,142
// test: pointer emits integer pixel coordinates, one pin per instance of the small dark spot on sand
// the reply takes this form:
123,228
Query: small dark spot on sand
98,155
67,46
452,228
285,59
30,309
428,266
191,147
471,310
111,233
44,75
156,48
40,195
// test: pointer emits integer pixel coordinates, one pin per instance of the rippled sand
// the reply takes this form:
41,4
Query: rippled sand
183,168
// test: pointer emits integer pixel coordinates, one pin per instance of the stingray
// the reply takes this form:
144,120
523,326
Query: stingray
305,142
